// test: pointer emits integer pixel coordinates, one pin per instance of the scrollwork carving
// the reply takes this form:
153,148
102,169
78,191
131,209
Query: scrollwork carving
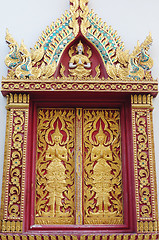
143,169
16,165
102,167
55,167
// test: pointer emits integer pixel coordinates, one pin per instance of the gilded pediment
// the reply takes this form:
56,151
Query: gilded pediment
55,57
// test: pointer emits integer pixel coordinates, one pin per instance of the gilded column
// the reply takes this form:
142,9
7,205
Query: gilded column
12,207
144,163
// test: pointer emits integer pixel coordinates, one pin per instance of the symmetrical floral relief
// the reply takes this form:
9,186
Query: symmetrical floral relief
143,170
17,152
55,183
103,201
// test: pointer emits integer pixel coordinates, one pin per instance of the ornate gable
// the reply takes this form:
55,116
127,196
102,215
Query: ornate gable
48,61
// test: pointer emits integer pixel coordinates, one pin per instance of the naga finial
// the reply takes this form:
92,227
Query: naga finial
23,50
9,39
13,59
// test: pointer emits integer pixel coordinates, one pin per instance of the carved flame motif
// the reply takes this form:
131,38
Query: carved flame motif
102,167
55,167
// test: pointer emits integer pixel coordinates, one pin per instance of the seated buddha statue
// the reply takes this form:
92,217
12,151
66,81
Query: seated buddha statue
79,63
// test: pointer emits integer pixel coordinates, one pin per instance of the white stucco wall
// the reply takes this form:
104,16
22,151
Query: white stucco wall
27,19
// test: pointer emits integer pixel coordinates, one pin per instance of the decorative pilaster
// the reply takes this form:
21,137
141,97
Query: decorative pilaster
12,208
144,163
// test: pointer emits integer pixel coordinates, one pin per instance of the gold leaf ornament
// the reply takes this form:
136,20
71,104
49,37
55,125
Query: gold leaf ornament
13,59
37,55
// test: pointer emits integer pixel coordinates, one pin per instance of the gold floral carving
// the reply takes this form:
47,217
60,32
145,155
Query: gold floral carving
14,171
119,64
55,188
55,167
144,163
79,9
40,62
4,172
74,8
102,167
143,172
86,84
133,65
85,24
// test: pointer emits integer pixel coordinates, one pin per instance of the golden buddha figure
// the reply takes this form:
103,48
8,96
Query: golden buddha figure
56,178
79,63
100,155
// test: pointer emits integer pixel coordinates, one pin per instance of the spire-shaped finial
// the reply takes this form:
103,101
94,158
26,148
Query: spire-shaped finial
100,133
57,131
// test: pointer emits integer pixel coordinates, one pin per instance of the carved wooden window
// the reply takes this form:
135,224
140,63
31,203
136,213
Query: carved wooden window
98,167
80,172
79,152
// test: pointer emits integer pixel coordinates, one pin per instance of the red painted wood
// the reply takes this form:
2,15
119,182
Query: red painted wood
95,100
